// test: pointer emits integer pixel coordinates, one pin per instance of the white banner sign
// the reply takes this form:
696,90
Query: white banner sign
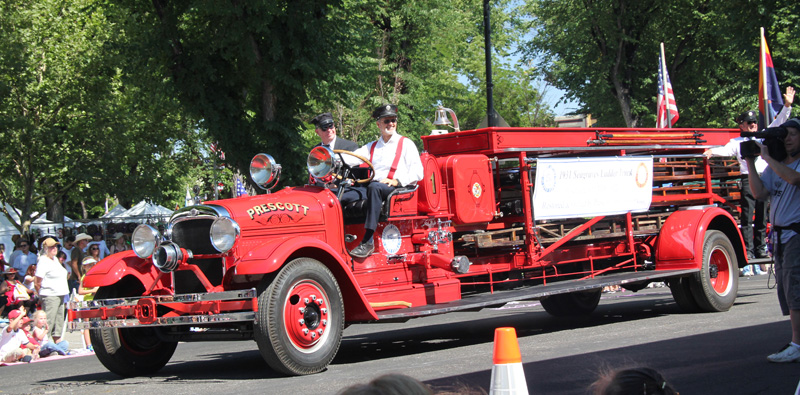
589,187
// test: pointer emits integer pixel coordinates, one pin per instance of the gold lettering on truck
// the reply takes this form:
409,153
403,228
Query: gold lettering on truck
271,207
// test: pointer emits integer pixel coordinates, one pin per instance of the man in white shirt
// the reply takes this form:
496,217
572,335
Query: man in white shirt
397,164
24,258
753,217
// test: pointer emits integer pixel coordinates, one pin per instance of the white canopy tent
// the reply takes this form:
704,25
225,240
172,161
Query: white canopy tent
145,209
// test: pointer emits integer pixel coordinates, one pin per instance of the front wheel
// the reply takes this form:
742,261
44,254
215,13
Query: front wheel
715,286
300,318
132,351
572,304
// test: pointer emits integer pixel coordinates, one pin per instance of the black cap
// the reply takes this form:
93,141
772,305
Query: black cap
385,110
747,116
792,123
324,119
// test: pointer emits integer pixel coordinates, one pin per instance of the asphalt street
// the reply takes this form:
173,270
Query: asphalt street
712,353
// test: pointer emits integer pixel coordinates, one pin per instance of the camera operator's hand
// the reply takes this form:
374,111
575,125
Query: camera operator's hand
764,150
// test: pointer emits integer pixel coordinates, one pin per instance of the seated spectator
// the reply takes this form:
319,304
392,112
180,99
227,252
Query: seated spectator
389,384
14,345
41,333
13,292
641,380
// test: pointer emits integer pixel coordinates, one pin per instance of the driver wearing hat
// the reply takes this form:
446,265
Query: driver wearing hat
397,164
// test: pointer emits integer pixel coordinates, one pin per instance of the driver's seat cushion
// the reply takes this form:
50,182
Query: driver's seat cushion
400,203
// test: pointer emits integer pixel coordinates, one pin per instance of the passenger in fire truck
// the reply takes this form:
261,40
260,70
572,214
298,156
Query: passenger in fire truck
326,130
397,164
781,184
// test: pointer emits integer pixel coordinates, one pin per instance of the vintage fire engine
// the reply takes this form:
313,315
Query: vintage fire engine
502,214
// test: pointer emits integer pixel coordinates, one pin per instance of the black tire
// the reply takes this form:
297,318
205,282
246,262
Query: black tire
130,352
572,304
715,286
682,294
300,318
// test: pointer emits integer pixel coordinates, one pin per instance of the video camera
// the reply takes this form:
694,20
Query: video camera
773,139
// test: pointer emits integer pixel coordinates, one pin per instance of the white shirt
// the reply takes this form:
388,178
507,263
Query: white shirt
732,148
10,341
54,277
409,168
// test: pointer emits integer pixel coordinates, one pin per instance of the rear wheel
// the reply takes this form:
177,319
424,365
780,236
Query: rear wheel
300,318
132,351
572,304
682,294
715,286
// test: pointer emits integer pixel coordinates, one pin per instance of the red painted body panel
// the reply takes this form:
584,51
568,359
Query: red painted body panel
680,244
470,188
114,267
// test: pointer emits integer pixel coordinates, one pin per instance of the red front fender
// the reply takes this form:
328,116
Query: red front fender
113,268
680,243
270,256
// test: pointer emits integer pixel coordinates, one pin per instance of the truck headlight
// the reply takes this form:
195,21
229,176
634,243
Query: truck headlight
145,240
224,233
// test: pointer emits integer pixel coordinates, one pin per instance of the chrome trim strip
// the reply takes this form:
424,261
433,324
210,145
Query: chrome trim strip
160,299
164,321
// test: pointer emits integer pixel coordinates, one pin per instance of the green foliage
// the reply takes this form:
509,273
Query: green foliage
604,54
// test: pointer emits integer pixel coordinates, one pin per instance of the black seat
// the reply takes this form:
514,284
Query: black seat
355,212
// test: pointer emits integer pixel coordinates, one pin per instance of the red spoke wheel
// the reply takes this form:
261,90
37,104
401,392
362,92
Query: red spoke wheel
300,318
715,286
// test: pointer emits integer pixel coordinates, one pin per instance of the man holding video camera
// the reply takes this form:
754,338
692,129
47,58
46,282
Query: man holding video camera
780,182
753,216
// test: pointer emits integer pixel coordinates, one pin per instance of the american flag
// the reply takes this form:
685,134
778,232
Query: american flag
215,149
240,189
665,101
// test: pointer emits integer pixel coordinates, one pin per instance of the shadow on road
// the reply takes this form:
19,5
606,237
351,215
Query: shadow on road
738,365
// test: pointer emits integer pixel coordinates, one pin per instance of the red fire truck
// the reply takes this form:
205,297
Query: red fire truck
502,214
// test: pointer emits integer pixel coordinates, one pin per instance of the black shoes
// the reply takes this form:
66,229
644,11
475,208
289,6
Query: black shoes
363,250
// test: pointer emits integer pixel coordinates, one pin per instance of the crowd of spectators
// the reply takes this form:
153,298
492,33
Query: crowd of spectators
39,279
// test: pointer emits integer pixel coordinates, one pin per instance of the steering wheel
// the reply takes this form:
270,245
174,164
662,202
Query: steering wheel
348,167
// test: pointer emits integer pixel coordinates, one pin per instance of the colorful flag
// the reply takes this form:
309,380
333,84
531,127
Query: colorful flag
240,189
215,149
769,93
666,107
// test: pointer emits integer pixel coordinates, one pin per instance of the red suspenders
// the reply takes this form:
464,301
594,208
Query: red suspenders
396,155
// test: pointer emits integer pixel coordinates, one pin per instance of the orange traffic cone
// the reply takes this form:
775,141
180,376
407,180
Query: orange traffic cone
507,375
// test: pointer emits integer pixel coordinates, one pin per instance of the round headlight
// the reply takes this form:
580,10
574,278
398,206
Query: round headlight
264,171
321,164
145,240
224,233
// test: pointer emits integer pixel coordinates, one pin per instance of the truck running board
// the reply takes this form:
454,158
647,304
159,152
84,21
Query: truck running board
532,292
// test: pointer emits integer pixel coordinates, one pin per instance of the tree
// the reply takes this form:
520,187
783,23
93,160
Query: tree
603,53
73,126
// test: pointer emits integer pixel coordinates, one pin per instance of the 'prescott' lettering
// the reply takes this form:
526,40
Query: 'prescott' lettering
270,207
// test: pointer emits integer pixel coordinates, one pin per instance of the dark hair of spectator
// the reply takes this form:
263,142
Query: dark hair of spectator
389,384
638,380
60,254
